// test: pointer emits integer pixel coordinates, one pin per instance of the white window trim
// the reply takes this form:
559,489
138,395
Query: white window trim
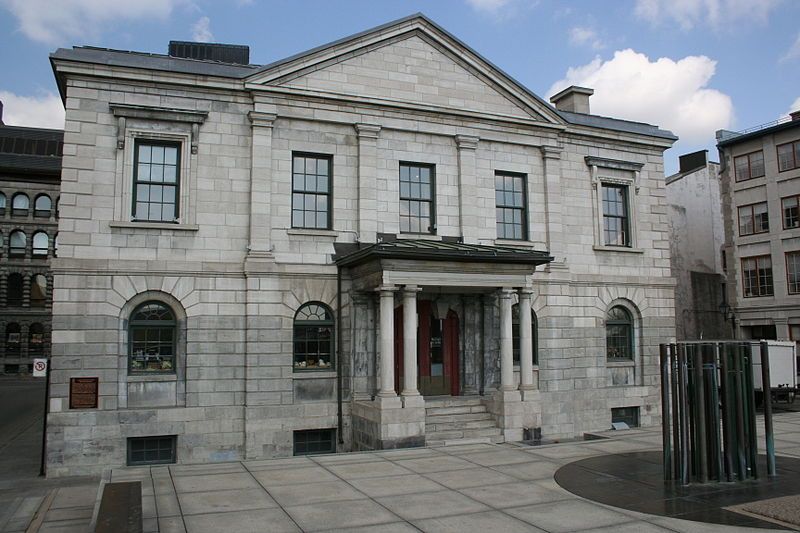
597,165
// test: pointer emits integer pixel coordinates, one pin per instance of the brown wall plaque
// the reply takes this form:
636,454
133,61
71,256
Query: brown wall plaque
83,393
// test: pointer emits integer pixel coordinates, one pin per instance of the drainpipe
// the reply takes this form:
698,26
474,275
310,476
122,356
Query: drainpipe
340,417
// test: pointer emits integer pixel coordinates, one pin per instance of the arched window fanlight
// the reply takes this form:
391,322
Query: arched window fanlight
153,333
313,337
619,334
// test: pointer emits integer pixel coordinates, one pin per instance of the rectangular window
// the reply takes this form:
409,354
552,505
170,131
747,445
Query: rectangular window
314,441
749,166
151,450
417,189
788,156
791,212
511,206
628,415
311,191
757,276
793,272
156,178
616,223
753,219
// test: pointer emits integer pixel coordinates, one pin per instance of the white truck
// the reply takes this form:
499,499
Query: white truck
782,369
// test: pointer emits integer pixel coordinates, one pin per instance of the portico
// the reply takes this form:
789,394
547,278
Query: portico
444,328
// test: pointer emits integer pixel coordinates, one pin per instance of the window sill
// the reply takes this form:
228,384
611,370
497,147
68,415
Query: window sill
314,374
418,237
618,363
154,225
312,232
138,378
623,249
513,242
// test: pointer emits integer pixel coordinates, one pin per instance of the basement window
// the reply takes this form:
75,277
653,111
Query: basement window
629,415
314,441
152,450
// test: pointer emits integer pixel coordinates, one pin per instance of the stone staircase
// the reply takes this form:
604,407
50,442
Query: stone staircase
459,420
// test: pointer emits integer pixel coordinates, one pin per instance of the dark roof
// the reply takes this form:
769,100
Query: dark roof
122,58
736,139
425,250
31,150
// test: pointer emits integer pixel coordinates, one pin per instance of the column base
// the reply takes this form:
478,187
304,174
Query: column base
413,400
387,401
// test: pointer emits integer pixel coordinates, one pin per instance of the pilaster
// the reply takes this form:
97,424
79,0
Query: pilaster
367,181
260,246
468,188
553,210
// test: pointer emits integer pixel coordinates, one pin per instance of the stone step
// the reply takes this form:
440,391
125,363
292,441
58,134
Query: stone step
462,433
451,401
497,439
463,417
467,424
455,410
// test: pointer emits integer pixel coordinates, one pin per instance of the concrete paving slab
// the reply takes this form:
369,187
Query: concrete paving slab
690,526
313,493
167,505
470,477
255,521
278,463
395,485
408,452
371,469
630,527
394,527
513,494
207,482
340,515
196,470
561,453
497,457
79,496
221,501
530,470
288,476
431,504
568,515
171,524
475,523
435,464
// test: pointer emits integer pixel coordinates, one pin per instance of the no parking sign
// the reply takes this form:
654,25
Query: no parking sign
39,368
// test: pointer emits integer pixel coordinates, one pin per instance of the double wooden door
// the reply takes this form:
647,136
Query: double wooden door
437,351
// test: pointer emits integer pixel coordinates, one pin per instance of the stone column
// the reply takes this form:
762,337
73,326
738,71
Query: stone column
506,344
387,341
410,340
525,341
260,246
367,181
468,188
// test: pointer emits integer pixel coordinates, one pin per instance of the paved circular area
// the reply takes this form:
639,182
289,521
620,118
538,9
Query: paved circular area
635,481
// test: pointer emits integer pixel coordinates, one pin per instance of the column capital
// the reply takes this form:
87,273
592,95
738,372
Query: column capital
411,289
506,292
467,142
525,292
388,288
367,131
551,152
261,120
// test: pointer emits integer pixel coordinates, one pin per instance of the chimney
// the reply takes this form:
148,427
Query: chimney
574,99
224,53
692,161
1,114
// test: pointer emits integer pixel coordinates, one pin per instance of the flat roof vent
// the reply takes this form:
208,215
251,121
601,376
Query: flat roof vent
224,53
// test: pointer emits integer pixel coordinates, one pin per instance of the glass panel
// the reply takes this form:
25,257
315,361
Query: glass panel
171,155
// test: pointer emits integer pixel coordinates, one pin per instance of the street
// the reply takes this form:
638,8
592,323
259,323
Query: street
21,410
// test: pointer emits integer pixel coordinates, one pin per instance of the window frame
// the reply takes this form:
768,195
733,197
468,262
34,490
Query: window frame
796,254
15,251
753,217
20,211
328,194
160,324
166,143
42,213
627,230
312,324
758,276
331,438
3,203
795,150
173,452
34,248
523,209
796,198
631,331
432,225
750,175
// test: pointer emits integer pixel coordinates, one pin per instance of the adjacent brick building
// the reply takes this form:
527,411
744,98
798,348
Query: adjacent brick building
385,241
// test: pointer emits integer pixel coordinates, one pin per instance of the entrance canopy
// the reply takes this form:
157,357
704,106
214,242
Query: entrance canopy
439,263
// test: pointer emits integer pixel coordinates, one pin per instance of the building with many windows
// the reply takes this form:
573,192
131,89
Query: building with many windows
760,181
382,242
30,169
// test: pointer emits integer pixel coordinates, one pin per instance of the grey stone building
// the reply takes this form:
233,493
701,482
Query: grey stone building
760,180
696,249
384,241
30,170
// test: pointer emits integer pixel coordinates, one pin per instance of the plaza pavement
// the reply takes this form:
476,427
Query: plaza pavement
474,487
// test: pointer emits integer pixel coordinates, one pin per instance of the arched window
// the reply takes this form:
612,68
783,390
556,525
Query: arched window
153,332
42,206
14,289
619,334
13,341
20,204
36,339
38,290
2,203
17,242
313,337
40,244
515,334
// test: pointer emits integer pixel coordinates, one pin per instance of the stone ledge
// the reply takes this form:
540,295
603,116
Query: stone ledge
153,225
623,249
312,232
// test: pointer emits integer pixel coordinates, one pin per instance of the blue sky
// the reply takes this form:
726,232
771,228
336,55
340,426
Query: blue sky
692,66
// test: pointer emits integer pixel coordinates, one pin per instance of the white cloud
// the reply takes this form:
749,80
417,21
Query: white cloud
716,13
794,107
201,31
582,36
793,52
492,6
671,94
44,111
62,21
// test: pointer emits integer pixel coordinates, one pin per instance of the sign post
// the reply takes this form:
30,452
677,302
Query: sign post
41,369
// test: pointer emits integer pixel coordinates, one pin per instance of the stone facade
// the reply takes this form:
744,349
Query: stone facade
30,165
773,313
235,270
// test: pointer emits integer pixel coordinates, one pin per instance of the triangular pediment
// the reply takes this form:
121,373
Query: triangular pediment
411,63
